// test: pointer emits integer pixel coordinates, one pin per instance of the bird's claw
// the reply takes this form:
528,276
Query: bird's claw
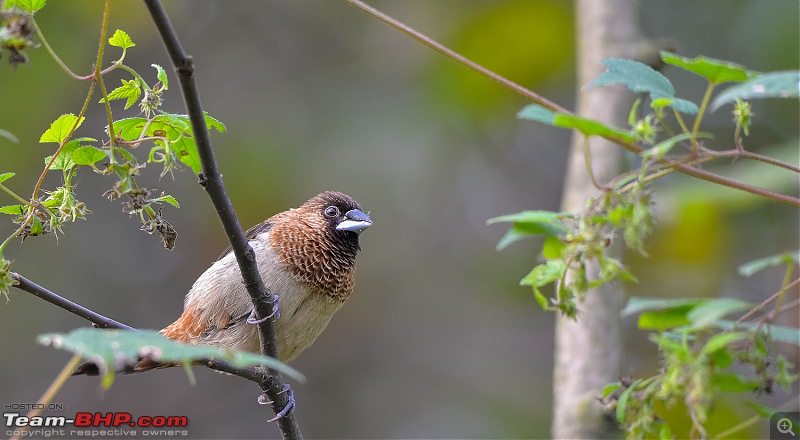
290,405
251,318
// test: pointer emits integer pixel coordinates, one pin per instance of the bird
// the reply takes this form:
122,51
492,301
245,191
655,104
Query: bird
306,256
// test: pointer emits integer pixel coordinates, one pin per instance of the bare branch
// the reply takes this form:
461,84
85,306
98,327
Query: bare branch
211,180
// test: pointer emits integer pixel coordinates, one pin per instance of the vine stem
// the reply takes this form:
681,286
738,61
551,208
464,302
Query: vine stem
50,393
700,113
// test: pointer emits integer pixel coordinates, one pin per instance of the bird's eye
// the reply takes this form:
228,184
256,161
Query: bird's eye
331,211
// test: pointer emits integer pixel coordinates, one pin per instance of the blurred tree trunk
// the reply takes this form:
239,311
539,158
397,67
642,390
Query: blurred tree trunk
588,352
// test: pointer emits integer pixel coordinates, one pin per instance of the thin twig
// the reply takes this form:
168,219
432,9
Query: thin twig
97,319
101,321
49,394
211,180
767,301
683,168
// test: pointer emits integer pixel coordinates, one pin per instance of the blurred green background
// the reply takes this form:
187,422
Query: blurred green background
438,339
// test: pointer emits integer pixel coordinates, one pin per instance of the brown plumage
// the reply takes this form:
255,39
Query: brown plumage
306,257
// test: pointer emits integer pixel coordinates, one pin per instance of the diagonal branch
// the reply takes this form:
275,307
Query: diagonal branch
101,321
211,180
534,97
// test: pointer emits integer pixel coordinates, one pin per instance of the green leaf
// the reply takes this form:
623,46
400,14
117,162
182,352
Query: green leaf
768,85
61,128
589,127
544,274
790,335
215,124
622,403
761,410
715,71
13,209
637,304
721,340
535,112
6,176
641,78
8,135
64,159
712,310
662,148
162,76
88,155
109,349
129,90
27,5
129,129
528,223
121,39
610,388
553,247
169,199
663,319
732,382
756,266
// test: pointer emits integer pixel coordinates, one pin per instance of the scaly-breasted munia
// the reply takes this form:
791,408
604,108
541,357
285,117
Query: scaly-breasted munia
306,257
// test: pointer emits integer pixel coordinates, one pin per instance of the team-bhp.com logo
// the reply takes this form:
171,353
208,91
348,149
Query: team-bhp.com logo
87,419
102,425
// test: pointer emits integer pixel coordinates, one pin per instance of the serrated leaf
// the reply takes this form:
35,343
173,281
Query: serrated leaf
130,90
588,127
638,304
637,77
129,129
161,75
13,209
64,159
713,310
768,85
721,340
113,349
168,199
121,39
641,78
216,124
27,5
756,266
61,128
88,155
715,71
528,223
6,176
544,274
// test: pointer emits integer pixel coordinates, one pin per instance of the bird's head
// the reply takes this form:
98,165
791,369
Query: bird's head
319,240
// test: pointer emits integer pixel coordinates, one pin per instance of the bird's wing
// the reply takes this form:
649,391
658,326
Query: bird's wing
250,234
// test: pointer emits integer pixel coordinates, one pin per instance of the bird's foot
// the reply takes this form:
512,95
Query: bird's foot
251,318
290,405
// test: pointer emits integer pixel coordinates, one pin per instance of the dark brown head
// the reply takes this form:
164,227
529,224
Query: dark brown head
318,241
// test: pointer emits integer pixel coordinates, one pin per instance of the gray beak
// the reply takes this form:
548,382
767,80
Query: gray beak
354,221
